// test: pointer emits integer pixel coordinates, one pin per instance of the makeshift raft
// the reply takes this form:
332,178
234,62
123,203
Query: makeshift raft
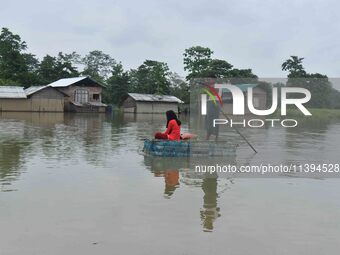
187,148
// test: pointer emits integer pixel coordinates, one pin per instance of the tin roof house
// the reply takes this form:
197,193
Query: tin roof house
32,99
83,94
148,103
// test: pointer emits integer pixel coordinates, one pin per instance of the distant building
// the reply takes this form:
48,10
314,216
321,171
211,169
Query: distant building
147,103
84,94
33,99
259,98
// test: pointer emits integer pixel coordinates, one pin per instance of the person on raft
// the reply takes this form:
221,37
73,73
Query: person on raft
173,128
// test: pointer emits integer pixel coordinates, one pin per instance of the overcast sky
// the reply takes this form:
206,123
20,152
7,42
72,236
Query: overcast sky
248,34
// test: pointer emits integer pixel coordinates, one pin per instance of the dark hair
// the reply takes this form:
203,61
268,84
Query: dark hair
171,115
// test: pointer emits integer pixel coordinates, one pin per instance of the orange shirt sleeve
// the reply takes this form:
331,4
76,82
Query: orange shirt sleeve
170,127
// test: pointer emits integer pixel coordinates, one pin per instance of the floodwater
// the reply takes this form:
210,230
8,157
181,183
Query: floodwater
79,184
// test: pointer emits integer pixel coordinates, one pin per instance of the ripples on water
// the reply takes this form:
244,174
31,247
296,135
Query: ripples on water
63,153
65,139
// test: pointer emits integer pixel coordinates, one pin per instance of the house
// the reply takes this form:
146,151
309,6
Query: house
83,94
13,98
33,99
259,98
45,99
147,103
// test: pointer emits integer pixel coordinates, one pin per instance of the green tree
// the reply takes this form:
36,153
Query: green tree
16,65
317,84
217,68
98,65
199,64
179,88
117,86
54,68
48,70
196,61
4,82
239,76
152,77
294,66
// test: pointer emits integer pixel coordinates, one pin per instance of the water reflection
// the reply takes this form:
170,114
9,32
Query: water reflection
56,137
168,169
210,211
180,170
107,143
11,161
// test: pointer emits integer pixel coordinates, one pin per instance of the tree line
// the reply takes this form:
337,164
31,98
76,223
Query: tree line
21,68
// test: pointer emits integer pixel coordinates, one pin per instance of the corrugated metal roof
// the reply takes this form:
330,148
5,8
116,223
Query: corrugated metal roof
154,98
33,89
12,92
65,82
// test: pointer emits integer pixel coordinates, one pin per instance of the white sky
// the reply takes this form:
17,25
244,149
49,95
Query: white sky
249,34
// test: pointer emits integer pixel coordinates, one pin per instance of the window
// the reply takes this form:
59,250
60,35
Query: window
95,97
81,96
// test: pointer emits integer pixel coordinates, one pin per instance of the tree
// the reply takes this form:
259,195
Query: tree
152,77
239,76
48,70
179,88
294,66
117,85
316,83
196,61
335,98
54,68
4,82
217,68
98,65
199,64
16,65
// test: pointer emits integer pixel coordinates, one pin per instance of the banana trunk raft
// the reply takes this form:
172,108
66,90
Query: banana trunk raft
187,148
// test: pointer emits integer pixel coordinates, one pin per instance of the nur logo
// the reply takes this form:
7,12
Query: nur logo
239,99
213,94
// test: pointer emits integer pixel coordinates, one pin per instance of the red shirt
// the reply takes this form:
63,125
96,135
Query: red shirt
173,131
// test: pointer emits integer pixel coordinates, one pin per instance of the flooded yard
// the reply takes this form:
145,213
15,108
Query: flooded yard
80,184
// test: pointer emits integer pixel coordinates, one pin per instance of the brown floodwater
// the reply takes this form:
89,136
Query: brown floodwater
80,184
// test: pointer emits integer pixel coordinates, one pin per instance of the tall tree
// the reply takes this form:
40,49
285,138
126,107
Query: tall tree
294,66
16,66
199,64
98,65
152,77
217,68
54,68
317,84
179,87
196,61
117,86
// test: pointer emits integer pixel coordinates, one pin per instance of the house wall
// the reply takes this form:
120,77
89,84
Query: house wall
15,105
129,105
155,107
70,91
46,100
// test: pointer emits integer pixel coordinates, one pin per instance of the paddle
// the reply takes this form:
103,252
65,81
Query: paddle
226,116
